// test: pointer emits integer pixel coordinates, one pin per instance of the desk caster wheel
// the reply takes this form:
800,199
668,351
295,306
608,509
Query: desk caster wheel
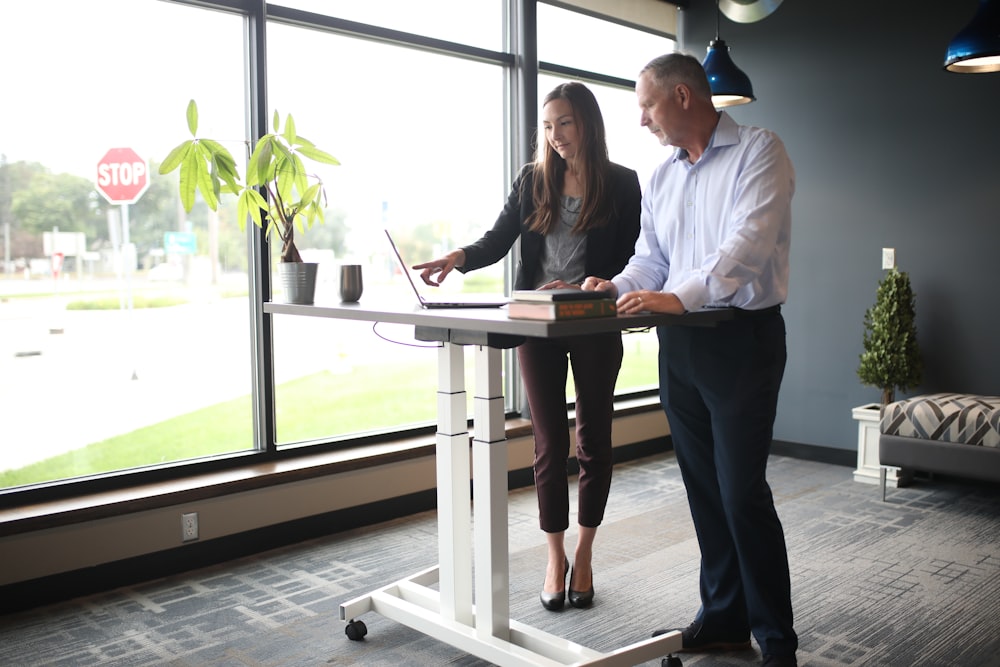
356,630
671,661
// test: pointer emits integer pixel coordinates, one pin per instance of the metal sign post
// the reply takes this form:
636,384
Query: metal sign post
123,177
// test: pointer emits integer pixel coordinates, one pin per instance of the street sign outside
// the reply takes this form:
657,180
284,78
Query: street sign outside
179,243
122,176
69,244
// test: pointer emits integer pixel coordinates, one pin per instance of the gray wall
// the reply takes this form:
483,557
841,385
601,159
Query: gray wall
890,150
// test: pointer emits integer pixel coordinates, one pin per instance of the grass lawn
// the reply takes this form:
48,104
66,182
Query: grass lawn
322,405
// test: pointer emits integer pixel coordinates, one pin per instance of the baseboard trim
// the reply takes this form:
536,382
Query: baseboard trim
798,450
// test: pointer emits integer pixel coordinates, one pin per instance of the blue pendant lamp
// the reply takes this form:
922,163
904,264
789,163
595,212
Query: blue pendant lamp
976,48
730,85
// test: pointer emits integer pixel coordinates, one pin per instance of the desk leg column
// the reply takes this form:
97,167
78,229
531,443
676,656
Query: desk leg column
454,529
489,459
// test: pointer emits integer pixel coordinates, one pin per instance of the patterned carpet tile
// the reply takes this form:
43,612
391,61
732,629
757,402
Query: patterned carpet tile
911,581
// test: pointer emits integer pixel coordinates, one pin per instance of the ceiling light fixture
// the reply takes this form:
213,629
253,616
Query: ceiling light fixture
976,48
748,11
730,85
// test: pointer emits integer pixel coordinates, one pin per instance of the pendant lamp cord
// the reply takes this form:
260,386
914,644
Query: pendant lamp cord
717,20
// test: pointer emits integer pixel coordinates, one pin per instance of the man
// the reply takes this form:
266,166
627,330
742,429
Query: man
716,220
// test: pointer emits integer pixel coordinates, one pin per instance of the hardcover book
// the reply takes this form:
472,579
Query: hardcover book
562,310
552,295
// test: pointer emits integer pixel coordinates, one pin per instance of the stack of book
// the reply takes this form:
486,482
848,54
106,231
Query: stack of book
560,304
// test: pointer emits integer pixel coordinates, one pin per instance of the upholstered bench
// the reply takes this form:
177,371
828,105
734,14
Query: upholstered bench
951,434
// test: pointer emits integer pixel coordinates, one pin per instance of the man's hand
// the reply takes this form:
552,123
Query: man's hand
593,284
648,301
440,267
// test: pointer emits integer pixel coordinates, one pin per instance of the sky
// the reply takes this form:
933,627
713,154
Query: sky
82,90
119,73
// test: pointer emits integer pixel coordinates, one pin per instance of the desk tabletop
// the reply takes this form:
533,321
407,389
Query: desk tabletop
493,320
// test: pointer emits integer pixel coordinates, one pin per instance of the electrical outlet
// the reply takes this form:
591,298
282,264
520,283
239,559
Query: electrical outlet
189,527
888,258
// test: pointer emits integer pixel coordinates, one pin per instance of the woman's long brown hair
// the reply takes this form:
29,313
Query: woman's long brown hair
592,165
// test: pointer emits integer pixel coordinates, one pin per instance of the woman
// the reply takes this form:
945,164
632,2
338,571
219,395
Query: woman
577,215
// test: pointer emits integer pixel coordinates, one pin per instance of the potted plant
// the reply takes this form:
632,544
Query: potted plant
295,199
891,360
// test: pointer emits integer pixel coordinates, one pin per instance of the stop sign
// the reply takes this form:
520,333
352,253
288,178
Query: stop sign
122,176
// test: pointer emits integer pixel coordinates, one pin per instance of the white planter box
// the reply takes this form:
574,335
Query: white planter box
868,470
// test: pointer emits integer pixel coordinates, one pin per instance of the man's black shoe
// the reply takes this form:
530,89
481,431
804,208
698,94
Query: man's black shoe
694,641
780,660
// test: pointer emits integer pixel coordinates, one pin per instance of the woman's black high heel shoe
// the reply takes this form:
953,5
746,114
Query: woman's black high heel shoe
581,599
555,601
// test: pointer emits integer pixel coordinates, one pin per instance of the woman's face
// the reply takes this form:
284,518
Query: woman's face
561,129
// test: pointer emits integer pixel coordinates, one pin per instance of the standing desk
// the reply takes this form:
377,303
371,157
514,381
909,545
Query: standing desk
473,613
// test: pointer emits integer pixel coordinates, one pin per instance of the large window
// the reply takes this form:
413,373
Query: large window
567,39
124,337
473,22
583,42
421,143
127,330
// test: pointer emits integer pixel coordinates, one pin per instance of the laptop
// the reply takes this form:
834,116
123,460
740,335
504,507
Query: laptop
452,301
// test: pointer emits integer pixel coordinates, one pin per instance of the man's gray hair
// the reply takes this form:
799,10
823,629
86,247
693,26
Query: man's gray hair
674,68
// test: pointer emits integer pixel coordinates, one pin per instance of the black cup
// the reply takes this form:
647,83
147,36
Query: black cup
351,283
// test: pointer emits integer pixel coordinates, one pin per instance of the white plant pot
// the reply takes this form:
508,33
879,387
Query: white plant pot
868,470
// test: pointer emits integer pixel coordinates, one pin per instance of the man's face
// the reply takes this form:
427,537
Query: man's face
659,110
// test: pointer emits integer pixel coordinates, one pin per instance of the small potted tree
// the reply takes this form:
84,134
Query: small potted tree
891,360
295,199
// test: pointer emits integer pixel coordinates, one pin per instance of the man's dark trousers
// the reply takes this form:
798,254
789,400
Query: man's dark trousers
719,387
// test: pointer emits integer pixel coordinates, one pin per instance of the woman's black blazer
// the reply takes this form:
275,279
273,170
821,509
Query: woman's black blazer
609,246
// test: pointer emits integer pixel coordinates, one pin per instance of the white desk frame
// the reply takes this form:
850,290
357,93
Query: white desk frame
448,613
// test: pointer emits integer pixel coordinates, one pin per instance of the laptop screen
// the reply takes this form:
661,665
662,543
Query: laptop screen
463,301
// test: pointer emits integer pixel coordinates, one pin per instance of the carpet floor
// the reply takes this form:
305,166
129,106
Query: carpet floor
911,581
